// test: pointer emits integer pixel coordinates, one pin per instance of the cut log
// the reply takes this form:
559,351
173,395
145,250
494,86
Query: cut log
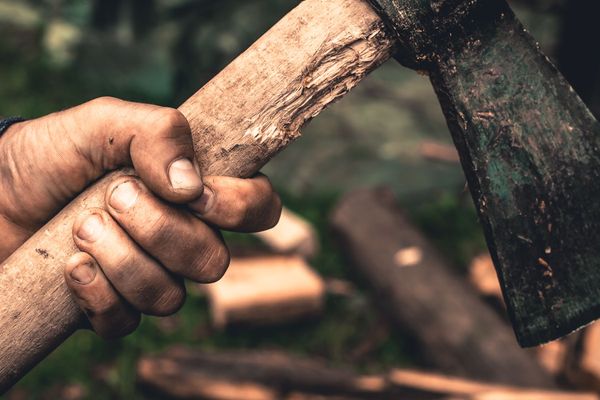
458,333
441,386
583,367
266,290
292,235
243,117
589,363
184,373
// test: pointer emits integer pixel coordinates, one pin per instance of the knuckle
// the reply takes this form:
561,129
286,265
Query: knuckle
103,102
168,119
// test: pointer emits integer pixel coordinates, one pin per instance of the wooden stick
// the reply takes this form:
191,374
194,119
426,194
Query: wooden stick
243,117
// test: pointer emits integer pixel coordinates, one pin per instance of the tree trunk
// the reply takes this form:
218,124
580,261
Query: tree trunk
457,332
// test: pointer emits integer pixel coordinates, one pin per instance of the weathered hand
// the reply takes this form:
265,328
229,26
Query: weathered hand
159,228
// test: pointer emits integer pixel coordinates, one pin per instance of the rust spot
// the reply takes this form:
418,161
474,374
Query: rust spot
541,295
542,206
525,239
548,269
544,263
43,252
486,115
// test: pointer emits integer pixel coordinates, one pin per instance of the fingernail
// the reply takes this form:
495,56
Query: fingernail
91,229
205,202
183,175
124,196
84,273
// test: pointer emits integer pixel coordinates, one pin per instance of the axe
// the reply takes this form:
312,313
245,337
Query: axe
527,143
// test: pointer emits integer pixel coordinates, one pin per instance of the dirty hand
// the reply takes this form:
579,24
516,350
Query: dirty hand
159,228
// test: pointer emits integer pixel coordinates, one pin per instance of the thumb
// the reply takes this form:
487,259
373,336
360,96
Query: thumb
156,140
46,162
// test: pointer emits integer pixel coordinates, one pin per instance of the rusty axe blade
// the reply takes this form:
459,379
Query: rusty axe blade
529,148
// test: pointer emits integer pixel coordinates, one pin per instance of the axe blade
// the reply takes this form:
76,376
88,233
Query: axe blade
530,150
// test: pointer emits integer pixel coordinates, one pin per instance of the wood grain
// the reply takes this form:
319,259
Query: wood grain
242,118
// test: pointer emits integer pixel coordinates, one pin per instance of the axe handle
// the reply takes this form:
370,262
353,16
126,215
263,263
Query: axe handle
248,113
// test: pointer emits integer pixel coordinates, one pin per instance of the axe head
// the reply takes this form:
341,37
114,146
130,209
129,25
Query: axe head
530,150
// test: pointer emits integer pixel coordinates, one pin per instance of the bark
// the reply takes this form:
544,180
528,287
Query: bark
456,332
185,373
243,117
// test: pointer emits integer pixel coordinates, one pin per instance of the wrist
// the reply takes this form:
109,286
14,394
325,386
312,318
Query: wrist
8,122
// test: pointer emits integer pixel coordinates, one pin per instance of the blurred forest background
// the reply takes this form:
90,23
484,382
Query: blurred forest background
58,53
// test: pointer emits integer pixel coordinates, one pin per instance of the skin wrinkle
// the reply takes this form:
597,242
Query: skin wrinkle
47,161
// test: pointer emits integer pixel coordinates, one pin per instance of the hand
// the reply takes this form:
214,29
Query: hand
159,228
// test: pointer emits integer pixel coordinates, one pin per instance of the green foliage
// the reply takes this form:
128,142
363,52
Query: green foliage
58,53
107,369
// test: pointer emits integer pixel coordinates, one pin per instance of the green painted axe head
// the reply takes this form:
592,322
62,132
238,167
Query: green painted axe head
530,150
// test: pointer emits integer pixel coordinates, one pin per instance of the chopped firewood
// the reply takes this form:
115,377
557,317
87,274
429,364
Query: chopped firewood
424,383
439,152
583,367
292,235
266,290
590,352
184,373
482,275
552,356
455,330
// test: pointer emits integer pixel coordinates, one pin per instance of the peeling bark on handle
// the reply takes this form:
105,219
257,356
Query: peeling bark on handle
241,119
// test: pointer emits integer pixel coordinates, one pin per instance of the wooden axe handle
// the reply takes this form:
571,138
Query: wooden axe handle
243,117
